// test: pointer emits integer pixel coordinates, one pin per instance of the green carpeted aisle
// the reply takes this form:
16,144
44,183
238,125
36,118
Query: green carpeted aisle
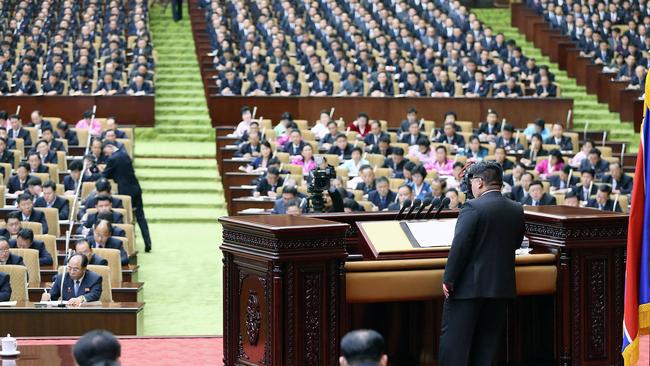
586,107
182,194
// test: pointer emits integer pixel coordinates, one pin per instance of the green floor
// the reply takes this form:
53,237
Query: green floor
182,194
586,106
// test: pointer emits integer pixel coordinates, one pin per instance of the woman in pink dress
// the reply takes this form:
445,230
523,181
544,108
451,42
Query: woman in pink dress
90,124
442,164
305,160
552,164
422,151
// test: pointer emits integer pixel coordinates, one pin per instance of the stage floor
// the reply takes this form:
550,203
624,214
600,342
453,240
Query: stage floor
135,351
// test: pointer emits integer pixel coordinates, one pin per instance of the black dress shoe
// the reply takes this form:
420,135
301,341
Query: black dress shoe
147,248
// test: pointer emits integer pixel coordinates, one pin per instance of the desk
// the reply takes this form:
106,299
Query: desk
25,320
127,292
54,355
225,110
243,203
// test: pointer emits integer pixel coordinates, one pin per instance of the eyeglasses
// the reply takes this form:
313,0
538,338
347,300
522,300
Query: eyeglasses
4,250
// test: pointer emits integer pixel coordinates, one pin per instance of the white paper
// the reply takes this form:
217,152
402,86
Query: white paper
53,303
8,303
433,233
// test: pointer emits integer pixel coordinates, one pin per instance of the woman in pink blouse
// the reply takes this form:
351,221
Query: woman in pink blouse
93,125
441,165
552,164
305,160
422,151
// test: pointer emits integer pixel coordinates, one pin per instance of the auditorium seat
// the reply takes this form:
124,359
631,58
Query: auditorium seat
112,256
18,281
129,229
120,210
30,258
52,218
36,227
126,203
50,245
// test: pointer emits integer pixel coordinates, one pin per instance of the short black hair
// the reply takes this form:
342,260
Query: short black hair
356,148
362,347
381,179
24,197
290,189
24,164
76,165
419,169
97,347
596,151
570,194
605,188
50,184
491,172
588,171
14,215
26,233
273,170
398,151
103,197
537,183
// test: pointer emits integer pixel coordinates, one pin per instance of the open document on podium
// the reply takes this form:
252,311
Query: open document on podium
430,233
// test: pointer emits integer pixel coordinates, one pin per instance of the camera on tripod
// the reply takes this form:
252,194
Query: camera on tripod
320,182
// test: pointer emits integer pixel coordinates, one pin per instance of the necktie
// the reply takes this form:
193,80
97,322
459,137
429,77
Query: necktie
76,287
534,203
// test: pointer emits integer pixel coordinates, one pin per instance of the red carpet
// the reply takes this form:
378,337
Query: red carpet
138,351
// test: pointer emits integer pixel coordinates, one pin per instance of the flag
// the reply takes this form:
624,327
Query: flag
636,311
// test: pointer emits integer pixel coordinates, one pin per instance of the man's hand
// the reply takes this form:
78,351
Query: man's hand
45,296
447,289
77,301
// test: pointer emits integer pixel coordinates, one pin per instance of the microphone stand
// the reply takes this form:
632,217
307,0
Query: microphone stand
65,269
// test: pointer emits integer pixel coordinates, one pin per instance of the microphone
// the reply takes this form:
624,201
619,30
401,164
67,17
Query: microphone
434,204
65,269
405,205
445,201
416,204
425,203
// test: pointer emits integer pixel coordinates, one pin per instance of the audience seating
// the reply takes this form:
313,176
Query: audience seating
30,258
18,281
112,256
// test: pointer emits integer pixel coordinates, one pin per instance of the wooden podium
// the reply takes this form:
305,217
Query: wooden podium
294,285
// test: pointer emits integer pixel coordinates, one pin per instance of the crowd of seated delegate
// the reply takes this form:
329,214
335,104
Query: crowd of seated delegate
541,163
613,34
96,230
71,48
427,48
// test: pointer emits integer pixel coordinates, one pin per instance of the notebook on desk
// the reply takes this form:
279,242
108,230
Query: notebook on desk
430,233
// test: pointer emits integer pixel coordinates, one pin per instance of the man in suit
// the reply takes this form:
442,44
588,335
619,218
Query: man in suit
63,131
367,175
82,247
520,191
119,167
104,205
363,347
451,137
5,287
595,163
51,200
376,134
53,144
507,141
17,130
479,279
559,139
97,346
620,182
404,192
103,238
295,144
586,188
6,156
102,187
26,208
382,196
562,181
396,162
13,226
177,10
478,88
537,196
25,240
489,129
79,285
267,185
341,147
251,148
545,89
289,193
6,257
602,201
414,134
289,86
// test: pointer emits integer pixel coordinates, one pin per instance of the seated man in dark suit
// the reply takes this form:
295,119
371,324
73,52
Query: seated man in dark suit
596,163
558,138
102,187
51,200
372,139
71,180
451,137
6,156
363,347
6,257
139,86
602,201
17,130
507,141
383,147
63,131
478,88
382,196
26,208
25,85
104,205
53,144
251,148
11,229
520,191
510,89
289,193
295,144
323,86
103,238
537,196
562,181
82,247
620,182
545,89
502,159
5,287
396,162
341,147
289,86
413,135
367,175
79,285
586,188
25,240
268,185
489,129
36,164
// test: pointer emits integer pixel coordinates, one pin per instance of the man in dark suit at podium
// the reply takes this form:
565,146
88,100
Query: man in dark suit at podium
479,278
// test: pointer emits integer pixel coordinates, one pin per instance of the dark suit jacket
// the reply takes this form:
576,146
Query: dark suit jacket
624,185
15,260
91,201
601,167
96,260
38,216
484,128
546,200
483,89
5,287
407,138
292,150
68,183
345,152
365,188
7,157
112,243
44,257
609,205
481,262
263,186
120,168
14,184
92,218
457,140
561,184
23,134
375,198
565,143
580,192
59,203
518,193
90,287
551,90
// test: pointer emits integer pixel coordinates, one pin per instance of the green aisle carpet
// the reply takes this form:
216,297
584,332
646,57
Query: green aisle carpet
586,106
182,194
